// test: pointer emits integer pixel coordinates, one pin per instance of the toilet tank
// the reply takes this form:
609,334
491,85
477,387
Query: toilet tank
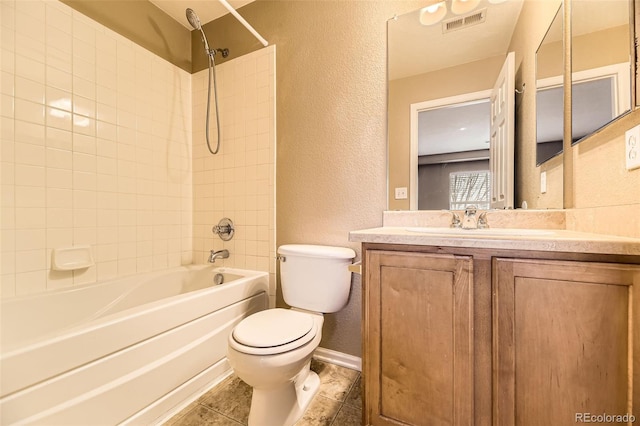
315,278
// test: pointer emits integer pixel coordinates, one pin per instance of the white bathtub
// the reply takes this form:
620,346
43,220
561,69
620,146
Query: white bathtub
125,351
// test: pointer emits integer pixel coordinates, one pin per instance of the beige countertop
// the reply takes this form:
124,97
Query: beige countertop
556,240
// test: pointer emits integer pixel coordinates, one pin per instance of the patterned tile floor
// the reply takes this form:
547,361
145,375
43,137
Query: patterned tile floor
337,403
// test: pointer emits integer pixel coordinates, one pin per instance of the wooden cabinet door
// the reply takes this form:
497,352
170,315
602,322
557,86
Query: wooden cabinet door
418,340
564,337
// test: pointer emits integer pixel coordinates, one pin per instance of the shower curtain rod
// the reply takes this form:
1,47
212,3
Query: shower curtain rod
244,22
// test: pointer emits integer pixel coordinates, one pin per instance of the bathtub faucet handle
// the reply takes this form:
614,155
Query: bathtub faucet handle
224,229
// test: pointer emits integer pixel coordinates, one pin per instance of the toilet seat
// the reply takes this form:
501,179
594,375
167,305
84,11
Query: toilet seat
273,331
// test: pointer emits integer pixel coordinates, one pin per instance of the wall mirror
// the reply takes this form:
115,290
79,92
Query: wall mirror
550,92
601,64
444,65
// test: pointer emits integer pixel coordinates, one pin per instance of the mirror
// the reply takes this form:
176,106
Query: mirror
550,92
601,65
461,55
441,69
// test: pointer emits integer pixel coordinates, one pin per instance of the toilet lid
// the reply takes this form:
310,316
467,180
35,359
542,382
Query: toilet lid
273,327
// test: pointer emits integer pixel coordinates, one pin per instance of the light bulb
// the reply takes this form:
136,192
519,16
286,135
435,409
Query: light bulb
433,14
460,7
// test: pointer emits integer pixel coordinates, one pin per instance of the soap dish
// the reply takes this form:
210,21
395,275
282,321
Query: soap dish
71,258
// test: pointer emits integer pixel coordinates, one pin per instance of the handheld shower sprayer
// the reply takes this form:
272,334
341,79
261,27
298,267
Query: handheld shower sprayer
193,19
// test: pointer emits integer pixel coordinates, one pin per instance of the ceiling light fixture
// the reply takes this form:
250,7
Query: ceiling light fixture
433,14
436,12
460,7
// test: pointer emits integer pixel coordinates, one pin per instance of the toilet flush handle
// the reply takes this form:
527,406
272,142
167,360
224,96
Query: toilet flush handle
281,257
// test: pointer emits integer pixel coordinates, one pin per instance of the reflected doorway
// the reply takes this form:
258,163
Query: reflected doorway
453,137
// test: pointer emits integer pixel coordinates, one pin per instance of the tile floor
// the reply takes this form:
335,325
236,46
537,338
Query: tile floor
337,403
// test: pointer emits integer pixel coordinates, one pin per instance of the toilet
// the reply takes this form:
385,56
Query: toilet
271,350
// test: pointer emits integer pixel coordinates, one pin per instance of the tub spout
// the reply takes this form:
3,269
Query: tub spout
220,254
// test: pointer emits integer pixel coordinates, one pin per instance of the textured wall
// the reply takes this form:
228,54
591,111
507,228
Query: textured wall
331,149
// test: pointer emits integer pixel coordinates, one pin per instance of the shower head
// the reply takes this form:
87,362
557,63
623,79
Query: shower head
193,19
195,23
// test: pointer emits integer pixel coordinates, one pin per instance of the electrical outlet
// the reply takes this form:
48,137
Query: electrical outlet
543,182
632,148
401,193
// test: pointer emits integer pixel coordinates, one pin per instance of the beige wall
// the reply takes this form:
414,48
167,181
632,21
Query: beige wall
600,48
331,148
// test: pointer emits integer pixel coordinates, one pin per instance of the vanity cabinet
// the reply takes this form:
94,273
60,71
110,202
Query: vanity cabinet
462,336
419,316
563,333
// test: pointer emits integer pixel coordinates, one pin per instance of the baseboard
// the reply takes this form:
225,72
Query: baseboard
338,358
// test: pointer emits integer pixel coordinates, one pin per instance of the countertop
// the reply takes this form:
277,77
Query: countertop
555,240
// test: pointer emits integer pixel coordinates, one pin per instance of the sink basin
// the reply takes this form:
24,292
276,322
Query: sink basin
486,232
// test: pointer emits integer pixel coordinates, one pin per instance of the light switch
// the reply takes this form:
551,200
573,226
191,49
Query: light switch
401,193
543,182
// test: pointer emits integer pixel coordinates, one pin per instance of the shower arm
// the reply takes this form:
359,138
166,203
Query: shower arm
244,22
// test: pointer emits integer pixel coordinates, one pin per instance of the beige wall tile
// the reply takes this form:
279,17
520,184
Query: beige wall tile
87,131
228,184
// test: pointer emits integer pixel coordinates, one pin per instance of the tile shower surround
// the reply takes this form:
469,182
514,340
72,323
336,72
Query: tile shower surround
239,181
97,149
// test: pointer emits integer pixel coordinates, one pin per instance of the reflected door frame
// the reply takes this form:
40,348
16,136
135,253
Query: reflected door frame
415,109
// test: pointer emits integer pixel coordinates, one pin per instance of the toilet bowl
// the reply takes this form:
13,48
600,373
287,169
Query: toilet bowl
283,385
271,350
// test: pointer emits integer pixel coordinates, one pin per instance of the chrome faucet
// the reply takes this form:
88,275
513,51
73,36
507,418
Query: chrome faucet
220,254
470,221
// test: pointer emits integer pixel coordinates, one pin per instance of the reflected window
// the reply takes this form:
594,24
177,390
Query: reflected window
469,189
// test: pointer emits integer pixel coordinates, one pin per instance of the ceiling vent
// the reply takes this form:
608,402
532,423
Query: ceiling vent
455,24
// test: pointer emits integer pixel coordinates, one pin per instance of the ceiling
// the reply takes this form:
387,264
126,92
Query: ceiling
436,50
456,128
417,49
207,11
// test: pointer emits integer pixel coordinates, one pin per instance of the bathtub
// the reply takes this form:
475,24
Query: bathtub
125,351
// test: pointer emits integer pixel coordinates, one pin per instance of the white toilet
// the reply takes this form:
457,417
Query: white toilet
271,350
